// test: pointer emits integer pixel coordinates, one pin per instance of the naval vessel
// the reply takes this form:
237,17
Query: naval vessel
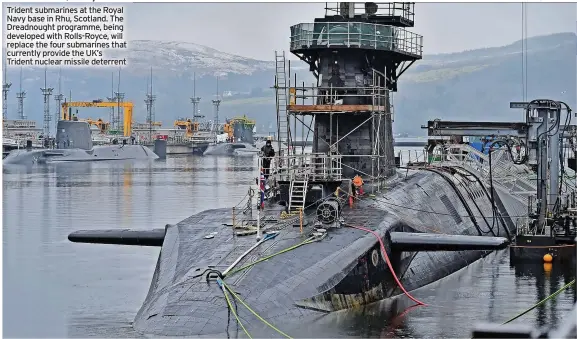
305,242
74,143
238,138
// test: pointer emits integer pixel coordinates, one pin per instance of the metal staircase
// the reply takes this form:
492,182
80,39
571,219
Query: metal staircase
281,102
298,192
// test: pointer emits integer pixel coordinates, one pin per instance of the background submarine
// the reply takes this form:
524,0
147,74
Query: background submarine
74,143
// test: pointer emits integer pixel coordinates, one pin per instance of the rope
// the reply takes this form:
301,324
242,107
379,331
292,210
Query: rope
220,284
307,241
389,264
540,302
252,311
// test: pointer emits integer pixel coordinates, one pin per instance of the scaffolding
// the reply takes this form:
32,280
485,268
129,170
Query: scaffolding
357,53
317,101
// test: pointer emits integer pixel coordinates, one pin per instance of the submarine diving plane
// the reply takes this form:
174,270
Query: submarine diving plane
309,245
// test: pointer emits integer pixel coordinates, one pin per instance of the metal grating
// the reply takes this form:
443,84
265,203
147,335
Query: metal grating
451,209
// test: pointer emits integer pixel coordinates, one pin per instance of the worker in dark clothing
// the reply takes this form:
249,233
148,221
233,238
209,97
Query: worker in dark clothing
267,153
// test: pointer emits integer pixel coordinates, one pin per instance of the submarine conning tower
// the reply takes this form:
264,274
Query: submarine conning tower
357,53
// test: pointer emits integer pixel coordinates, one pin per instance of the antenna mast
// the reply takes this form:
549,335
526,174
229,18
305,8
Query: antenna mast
46,92
216,104
149,101
112,98
21,95
58,98
5,88
195,101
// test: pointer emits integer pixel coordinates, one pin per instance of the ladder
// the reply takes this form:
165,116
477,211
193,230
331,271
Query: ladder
281,102
298,193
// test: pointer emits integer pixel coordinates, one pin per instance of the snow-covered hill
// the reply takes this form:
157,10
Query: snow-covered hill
475,84
173,56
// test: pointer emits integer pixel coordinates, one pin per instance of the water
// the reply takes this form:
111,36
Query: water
54,288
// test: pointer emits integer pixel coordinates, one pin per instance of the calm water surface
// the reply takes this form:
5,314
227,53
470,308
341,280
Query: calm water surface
54,288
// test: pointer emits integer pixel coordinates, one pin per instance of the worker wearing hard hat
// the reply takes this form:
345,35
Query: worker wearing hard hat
358,185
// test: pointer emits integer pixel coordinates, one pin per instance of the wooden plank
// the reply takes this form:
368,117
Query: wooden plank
334,108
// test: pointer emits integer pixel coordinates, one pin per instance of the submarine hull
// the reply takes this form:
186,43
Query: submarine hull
345,269
231,149
97,153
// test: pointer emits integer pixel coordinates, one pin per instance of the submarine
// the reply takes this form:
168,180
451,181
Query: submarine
306,242
238,138
73,144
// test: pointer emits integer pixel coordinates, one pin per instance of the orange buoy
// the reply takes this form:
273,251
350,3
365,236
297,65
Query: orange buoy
547,267
548,258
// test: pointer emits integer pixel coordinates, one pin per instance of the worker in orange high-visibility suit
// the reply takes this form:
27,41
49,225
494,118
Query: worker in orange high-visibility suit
358,185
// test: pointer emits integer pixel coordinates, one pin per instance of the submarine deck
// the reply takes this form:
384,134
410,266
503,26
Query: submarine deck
343,270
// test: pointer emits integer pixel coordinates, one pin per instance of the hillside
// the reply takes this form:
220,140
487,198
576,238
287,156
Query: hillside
476,84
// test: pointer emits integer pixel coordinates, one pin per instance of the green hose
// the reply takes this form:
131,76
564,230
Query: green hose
540,302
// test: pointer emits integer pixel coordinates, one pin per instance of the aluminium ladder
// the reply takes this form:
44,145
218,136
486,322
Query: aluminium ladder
281,102
298,193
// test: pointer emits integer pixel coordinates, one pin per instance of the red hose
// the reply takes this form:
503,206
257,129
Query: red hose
389,264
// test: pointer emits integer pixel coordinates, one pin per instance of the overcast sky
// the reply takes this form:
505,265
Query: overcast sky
257,29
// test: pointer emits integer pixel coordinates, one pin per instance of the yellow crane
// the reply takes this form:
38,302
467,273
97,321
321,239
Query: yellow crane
229,125
127,105
188,125
103,126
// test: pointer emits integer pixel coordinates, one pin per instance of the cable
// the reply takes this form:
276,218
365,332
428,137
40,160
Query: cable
492,188
220,284
250,310
540,302
499,214
307,241
470,193
460,196
389,263
432,212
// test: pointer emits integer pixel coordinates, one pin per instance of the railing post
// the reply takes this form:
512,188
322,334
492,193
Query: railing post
233,222
301,218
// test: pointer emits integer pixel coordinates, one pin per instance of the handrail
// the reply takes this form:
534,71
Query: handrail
355,34
311,166
506,173
405,10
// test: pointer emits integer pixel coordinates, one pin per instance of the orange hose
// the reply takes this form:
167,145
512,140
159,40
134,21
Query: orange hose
389,264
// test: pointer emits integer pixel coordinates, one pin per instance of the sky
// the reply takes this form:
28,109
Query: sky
256,30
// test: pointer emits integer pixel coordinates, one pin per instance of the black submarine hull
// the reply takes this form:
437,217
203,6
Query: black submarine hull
343,270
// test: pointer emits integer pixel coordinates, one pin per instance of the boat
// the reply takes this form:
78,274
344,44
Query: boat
74,143
305,242
237,139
